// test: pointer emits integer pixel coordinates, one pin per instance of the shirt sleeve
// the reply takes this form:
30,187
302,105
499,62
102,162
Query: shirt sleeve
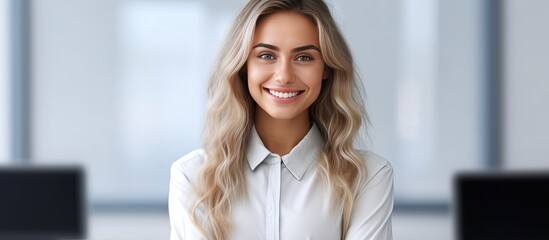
180,221
371,216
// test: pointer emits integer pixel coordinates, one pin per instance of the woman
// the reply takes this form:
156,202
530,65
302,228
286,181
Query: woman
278,160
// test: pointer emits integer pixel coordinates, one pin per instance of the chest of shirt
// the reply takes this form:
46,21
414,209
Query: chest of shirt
279,206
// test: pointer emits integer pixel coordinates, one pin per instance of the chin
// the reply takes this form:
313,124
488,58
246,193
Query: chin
283,115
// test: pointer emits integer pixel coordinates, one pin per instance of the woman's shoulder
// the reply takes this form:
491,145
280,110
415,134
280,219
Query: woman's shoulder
189,164
376,165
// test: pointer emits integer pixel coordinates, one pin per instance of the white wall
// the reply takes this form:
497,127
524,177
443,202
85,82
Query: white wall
4,82
526,84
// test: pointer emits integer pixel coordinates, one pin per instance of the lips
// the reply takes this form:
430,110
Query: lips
284,94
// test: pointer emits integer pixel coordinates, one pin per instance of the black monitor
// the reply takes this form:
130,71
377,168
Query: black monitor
502,205
42,203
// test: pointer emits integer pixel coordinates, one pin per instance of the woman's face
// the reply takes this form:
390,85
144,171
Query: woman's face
285,67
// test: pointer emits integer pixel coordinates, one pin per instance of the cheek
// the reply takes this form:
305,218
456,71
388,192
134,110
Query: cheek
255,76
314,78
256,71
317,87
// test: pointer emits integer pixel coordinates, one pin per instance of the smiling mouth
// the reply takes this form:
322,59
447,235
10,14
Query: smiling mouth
284,95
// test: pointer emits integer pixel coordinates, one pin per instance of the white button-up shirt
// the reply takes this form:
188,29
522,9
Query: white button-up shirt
285,198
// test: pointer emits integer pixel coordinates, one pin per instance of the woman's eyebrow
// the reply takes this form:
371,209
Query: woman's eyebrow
269,46
297,49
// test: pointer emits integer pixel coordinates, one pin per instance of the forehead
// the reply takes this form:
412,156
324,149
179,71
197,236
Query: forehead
286,28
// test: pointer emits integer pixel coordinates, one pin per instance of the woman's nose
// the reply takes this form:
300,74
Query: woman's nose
284,74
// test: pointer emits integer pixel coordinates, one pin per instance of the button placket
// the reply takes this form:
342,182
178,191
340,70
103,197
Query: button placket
273,198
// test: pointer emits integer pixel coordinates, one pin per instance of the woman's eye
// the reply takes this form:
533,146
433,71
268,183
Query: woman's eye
266,56
304,58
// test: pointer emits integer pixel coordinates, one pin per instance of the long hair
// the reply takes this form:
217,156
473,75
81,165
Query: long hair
338,113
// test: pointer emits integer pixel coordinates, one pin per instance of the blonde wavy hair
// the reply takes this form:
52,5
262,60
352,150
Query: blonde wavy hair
338,112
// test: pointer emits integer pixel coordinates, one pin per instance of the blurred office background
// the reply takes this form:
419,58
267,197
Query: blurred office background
119,88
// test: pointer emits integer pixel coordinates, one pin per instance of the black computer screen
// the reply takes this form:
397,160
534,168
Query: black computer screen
41,203
503,206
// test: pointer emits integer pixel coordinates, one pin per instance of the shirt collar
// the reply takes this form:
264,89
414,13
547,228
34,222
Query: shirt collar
297,161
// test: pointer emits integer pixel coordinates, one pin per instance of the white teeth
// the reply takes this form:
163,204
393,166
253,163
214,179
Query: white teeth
283,94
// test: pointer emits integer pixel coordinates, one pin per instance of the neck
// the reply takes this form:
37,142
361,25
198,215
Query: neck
280,136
